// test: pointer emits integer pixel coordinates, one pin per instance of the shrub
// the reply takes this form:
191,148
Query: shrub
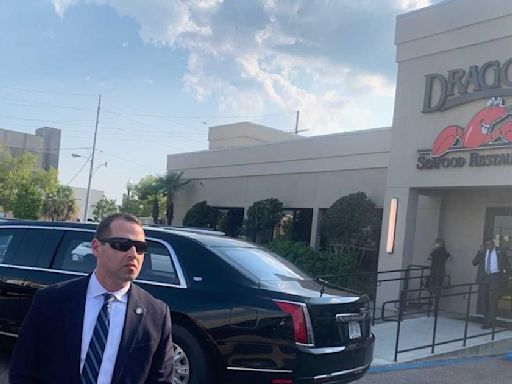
201,215
262,217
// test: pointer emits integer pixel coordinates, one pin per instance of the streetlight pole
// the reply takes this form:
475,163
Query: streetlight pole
92,161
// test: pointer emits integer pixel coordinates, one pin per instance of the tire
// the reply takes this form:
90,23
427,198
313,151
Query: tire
190,361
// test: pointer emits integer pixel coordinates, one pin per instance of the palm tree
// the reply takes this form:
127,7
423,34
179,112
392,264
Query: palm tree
150,187
60,205
171,183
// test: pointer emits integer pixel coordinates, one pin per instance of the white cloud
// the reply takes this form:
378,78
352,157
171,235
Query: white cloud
410,5
60,6
124,44
319,57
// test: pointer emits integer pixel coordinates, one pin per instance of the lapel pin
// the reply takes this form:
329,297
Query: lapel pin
138,311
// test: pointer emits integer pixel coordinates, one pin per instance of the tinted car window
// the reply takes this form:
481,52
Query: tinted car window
260,264
75,252
32,246
158,265
5,240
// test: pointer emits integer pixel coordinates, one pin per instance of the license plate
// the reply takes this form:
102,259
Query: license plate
354,330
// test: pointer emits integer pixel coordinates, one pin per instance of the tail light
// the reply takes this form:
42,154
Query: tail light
302,329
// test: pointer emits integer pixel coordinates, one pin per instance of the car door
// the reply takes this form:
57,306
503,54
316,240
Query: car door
73,258
25,249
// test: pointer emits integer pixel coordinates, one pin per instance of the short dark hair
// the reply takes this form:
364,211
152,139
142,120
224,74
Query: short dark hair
489,239
103,229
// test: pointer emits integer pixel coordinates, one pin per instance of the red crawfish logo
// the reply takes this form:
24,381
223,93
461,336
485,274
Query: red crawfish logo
487,126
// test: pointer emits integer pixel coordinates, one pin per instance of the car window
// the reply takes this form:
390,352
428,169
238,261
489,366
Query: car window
158,265
75,253
260,264
32,246
5,240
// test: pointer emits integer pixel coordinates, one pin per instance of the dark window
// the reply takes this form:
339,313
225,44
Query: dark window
75,253
32,246
158,265
25,246
9,241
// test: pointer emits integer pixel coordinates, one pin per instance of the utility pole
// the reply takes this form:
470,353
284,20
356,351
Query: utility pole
297,124
297,130
92,161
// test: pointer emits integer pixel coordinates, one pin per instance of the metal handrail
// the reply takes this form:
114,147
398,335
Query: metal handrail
467,291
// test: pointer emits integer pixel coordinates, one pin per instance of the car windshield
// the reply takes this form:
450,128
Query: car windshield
260,265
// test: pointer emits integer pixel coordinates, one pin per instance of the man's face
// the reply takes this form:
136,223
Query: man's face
115,269
489,244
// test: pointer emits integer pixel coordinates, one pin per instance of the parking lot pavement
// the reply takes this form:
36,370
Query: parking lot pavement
478,370
495,370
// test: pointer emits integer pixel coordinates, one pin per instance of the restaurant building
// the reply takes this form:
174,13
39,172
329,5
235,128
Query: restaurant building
444,168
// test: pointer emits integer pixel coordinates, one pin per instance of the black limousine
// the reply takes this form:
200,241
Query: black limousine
240,313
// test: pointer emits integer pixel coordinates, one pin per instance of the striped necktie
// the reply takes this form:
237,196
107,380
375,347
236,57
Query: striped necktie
97,345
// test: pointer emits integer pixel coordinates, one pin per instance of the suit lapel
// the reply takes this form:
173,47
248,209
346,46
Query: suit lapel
135,313
74,308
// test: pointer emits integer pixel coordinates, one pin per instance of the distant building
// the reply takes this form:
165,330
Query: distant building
45,145
80,195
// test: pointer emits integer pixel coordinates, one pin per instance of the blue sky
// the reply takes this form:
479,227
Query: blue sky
168,69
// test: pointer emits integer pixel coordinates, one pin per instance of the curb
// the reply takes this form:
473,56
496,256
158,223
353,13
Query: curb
434,363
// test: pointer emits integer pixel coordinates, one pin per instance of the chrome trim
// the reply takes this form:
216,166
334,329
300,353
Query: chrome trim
8,334
259,370
342,373
174,258
309,326
348,317
76,273
322,350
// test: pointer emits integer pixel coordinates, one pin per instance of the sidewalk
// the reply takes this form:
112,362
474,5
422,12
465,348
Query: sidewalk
419,331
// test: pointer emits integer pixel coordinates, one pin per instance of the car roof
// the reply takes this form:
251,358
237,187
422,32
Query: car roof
208,238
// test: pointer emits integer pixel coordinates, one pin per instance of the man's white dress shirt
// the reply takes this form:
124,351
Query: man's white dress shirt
494,261
117,310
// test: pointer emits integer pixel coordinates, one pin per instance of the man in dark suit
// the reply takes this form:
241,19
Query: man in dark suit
492,271
101,328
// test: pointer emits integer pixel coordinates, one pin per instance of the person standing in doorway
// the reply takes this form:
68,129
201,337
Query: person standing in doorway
492,270
101,328
438,258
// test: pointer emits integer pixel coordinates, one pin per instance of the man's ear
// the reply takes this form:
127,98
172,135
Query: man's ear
95,245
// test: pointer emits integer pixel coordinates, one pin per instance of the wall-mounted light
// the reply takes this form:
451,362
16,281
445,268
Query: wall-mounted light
393,208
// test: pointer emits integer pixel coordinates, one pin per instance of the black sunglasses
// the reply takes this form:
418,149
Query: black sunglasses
124,245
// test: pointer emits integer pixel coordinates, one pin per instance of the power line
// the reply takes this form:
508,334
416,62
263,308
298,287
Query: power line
48,92
198,117
124,159
78,172
32,103
42,120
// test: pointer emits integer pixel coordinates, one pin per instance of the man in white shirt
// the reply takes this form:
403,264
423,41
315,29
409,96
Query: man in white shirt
492,269
102,328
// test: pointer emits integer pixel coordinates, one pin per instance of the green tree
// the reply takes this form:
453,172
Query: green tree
171,183
60,205
262,217
28,202
130,202
349,220
104,207
150,188
201,215
15,172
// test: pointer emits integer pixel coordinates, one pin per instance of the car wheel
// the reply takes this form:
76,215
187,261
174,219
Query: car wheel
190,362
